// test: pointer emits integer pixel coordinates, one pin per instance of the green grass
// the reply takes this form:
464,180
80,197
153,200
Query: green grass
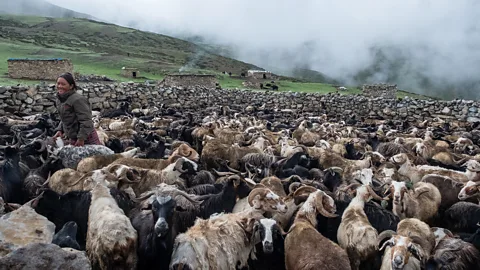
103,49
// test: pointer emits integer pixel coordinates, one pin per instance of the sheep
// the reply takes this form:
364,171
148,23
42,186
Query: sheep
413,238
170,175
415,173
355,233
116,125
448,188
111,238
224,241
67,180
72,155
99,161
470,190
270,252
454,254
305,247
214,150
421,202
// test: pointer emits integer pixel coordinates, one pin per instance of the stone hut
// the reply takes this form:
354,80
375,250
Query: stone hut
387,91
38,69
130,72
259,74
189,80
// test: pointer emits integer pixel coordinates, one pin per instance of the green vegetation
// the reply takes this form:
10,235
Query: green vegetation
103,49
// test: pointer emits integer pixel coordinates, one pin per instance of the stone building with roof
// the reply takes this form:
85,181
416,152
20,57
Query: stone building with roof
38,69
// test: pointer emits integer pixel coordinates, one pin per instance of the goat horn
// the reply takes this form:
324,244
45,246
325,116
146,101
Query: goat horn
321,208
293,187
335,169
186,196
387,234
141,198
222,173
254,193
43,146
374,195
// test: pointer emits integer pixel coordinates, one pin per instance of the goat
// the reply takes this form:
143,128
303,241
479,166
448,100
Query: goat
66,237
111,238
305,247
462,217
421,202
270,252
413,238
355,233
72,155
224,241
11,179
157,227
454,254
89,164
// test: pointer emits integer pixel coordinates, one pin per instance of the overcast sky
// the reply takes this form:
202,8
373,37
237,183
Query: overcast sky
440,37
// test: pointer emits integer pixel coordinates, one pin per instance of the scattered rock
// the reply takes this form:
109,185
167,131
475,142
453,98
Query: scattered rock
45,256
22,227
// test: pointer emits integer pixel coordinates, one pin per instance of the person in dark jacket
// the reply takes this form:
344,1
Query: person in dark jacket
75,114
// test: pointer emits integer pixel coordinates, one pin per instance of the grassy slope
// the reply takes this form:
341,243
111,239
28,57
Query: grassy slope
102,49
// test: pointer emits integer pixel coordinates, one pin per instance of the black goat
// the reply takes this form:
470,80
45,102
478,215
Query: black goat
72,206
66,237
156,232
123,109
36,178
462,217
116,145
11,178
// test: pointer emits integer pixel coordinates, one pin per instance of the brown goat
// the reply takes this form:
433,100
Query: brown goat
305,247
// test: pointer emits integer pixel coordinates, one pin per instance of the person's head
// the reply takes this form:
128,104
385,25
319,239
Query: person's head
65,83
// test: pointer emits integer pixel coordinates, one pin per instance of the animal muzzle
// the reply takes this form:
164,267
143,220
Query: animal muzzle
161,227
397,263
267,247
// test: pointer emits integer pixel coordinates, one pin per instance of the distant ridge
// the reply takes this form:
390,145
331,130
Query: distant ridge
39,8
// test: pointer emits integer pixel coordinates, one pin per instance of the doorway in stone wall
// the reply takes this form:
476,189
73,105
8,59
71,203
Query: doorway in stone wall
134,74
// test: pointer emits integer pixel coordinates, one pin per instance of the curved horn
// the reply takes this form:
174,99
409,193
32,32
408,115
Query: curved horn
222,173
186,196
302,193
373,194
385,235
320,205
293,187
174,158
141,198
250,183
257,191
43,146
335,169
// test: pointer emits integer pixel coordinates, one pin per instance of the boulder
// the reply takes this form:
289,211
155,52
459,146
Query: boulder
43,256
22,227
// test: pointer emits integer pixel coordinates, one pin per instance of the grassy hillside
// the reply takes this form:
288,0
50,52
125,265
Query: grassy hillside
104,49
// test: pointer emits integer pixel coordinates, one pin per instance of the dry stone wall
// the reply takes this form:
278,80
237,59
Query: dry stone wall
38,69
380,90
38,98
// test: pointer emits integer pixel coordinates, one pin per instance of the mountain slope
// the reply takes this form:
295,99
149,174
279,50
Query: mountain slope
96,47
38,8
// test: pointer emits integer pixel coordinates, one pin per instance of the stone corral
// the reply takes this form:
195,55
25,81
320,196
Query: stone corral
37,99
38,69
388,91
259,74
189,80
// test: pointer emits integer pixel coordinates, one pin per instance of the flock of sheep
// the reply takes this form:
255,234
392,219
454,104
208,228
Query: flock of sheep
252,189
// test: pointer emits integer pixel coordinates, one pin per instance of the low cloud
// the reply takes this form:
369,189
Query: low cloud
422,45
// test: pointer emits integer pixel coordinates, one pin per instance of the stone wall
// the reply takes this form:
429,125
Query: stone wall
189,80
47,69
106,96
387,91
258,74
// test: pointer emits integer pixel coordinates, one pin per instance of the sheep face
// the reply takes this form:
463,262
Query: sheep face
268,231
398,190
265,199
365,176
470,189
185,166
401,249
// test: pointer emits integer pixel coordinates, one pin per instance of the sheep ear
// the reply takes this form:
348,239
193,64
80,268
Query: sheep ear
416,252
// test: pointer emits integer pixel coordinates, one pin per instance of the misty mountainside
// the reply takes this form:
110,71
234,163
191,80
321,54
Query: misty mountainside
103,49
38,8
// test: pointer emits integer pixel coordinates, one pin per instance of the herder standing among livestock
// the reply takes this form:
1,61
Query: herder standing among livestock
75,114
